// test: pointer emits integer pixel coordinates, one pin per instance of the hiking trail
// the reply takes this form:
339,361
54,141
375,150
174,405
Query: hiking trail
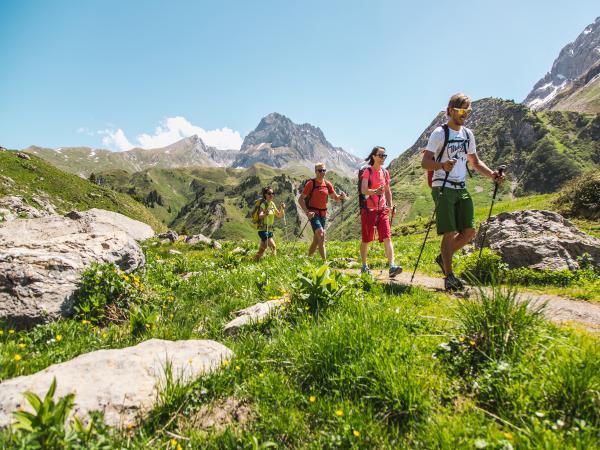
558,309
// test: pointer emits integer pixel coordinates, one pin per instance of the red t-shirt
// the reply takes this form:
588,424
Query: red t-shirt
318,196
378,177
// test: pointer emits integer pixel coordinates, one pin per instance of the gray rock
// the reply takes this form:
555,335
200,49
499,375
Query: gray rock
121,383
41,260
542,240
14,207
254,314
171,235
200,238
23,155
174,252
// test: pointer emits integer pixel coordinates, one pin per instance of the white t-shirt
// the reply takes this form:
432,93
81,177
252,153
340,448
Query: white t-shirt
460,143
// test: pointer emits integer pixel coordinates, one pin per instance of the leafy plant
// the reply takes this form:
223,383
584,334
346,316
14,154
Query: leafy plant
317,289
142,319
483,270
45,427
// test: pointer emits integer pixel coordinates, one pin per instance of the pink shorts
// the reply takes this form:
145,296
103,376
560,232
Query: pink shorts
369,221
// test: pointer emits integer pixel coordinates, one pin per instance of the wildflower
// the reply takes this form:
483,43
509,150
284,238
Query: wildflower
104,335
312,399
11,331
539,414
461,339
58,338
189,360
179,447
472,342
237,367
18,357
1,332
21,345
339,413
85,322
508,435
173,442
356,433
226,362
481,443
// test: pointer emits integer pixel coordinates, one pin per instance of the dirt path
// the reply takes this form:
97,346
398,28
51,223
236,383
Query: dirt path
558,309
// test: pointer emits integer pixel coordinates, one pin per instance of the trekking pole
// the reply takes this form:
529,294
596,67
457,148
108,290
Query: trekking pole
300,234
501,170
429,226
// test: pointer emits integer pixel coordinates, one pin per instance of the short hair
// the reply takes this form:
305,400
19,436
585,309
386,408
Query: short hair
319,165
373,153
459,100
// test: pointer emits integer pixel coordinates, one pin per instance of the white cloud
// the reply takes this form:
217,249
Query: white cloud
172,130
116,140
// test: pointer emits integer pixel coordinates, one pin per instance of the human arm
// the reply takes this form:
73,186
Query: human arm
483,169
428,162
302,203
364,188
281,211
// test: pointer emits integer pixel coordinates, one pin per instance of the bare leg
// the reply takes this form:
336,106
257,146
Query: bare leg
321,237
364,250
452,242
271,244
261,250
388,247
314,244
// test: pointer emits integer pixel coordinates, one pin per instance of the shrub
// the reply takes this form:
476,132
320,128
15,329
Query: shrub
581,197
495,327
487,269
105,293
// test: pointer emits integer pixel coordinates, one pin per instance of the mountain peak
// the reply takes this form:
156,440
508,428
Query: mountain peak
574,60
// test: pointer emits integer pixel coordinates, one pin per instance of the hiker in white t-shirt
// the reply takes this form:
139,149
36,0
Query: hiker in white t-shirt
455,217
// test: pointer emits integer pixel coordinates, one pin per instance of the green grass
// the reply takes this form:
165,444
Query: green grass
381,368
35,177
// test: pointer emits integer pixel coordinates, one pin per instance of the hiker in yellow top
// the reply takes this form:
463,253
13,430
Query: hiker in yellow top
266,218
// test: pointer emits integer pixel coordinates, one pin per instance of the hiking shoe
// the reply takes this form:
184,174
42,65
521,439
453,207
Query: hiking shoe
451,283
440,261
395,270
365,269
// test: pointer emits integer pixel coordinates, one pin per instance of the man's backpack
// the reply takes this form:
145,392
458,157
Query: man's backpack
258,221
439,156
362,199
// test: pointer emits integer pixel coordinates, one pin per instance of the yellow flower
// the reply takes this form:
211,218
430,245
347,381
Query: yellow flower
104,335
129,426
173,442
58,338
237,367
189,360
508,435
18,357
472,342
339,413
22,345
179,447
356,433
1,332
461,339
84,322
226,362
312,399
11,331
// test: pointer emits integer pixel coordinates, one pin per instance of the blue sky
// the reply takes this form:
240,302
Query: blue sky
142,73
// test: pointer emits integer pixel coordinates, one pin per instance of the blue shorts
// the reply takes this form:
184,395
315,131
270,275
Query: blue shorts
264,235
318,222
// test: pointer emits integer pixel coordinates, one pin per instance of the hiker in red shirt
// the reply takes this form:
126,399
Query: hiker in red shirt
313,202
376,195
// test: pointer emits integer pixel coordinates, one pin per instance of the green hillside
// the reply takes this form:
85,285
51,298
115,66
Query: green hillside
217,202
543,150
36,178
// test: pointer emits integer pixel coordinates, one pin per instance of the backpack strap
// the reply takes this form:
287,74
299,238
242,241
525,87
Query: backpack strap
438,158
468,133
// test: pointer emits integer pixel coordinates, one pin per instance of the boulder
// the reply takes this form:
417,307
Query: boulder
121,383
41,260
253,314
200,238
170,235
542,240
13,207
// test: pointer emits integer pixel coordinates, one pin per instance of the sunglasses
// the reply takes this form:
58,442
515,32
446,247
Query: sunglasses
463,111
270,193
322,170
382,155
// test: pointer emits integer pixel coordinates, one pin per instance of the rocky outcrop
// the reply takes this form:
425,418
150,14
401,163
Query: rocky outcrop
122,383
168,236
41,259
254,314
278,142
200,238
542,240
574,60
14,207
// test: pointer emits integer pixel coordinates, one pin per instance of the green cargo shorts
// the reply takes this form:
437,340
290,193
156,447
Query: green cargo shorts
455,210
